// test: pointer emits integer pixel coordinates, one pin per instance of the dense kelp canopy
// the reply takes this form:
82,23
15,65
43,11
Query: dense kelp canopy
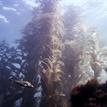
55,51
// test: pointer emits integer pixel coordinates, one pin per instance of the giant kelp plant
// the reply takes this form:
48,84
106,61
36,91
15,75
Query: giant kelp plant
42,44
56,53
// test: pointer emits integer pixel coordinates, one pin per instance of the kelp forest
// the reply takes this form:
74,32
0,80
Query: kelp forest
56,53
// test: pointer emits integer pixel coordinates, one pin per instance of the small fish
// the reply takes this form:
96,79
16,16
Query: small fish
24,83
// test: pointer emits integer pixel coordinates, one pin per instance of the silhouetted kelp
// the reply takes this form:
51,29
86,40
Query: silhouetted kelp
91,94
